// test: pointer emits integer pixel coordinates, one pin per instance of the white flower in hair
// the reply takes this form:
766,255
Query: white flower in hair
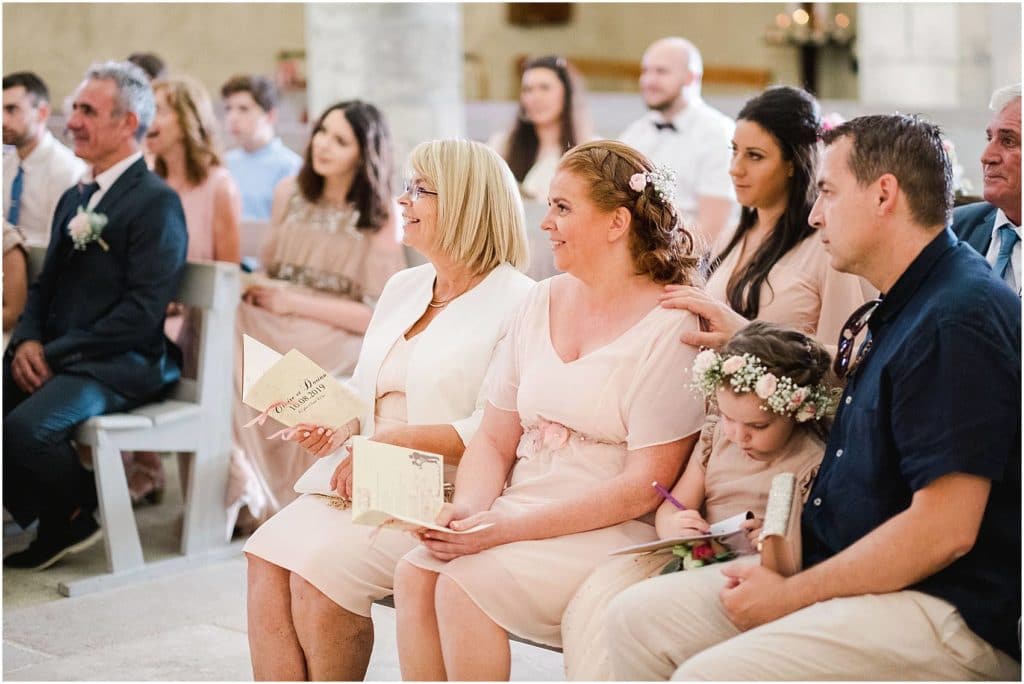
662,179
703,362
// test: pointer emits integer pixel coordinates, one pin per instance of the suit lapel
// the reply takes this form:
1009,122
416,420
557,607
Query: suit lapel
122,186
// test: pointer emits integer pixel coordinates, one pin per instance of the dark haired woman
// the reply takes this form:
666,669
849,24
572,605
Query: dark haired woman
584,411
332,246
773,267
551,120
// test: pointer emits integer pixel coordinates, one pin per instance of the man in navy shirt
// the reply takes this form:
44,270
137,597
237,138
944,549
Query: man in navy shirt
912,530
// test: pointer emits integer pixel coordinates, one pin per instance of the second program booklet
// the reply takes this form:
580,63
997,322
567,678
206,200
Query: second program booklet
397,487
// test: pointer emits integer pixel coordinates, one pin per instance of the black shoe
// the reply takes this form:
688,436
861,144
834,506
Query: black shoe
52,545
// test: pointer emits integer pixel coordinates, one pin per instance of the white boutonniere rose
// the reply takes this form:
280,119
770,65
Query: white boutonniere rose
86,227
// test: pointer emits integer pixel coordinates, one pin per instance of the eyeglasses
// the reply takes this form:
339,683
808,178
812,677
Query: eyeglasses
854,324
415,191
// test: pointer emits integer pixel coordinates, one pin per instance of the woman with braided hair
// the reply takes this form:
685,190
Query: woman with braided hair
584,410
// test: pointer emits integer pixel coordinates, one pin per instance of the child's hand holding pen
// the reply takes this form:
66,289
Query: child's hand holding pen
684,522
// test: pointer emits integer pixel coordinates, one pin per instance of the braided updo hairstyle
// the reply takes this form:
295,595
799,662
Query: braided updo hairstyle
789,353
661,247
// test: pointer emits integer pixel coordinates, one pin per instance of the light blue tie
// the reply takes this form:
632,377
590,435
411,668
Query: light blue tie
1007,239
14,211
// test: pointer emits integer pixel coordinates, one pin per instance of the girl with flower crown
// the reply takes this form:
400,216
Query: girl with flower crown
772,390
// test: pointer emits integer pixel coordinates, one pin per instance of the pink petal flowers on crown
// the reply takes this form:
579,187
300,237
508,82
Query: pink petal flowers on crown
766,385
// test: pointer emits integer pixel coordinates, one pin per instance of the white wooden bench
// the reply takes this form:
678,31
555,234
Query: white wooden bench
194,419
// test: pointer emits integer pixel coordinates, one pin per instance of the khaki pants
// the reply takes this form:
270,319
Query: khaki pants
673,626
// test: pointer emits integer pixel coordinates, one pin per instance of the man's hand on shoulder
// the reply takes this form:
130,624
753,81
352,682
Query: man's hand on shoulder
29,367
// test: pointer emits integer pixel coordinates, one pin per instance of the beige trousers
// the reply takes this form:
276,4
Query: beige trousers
673,626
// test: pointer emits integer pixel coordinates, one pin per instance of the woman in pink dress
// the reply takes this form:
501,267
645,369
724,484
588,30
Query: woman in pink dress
186,155
773,267
333,243
586,406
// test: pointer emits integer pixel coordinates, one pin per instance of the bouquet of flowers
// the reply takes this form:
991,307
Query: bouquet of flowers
697,554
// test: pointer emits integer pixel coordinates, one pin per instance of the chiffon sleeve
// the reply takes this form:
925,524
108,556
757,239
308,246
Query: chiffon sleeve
661,406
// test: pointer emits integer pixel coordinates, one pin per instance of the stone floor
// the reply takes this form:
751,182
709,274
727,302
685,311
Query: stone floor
189,626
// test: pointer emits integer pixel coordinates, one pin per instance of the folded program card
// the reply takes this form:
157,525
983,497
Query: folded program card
726,531
292,389
397,487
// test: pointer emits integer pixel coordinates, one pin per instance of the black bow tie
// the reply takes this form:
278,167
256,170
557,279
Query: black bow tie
668,125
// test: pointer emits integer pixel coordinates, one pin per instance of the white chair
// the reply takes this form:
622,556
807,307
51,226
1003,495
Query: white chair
195,419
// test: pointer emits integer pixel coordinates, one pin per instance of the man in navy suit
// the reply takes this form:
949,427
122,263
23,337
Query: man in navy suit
91,340
992,227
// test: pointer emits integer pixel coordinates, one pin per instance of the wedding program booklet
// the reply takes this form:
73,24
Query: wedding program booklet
397,487
727,532
299,390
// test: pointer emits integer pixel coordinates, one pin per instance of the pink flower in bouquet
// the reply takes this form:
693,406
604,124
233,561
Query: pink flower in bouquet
732,364
703,551
766,385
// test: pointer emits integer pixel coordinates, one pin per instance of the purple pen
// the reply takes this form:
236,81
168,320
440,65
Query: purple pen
668,497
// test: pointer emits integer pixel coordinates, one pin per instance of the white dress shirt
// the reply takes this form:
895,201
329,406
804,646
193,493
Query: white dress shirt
1013,274
108,177
699,150
49,170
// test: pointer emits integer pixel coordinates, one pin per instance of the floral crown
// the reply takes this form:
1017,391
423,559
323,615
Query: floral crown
746,373
662,179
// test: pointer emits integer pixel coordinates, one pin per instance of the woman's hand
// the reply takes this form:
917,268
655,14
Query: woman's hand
321,441
718,321
753,527
276,300
688,523
444,546
341,480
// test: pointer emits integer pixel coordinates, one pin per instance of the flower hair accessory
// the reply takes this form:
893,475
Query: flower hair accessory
662,179
747,373
86,227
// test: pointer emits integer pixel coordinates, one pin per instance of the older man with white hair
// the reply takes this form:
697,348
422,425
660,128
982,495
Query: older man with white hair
684,133
993,227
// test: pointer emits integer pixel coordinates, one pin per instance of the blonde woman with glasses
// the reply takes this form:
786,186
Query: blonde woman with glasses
313,574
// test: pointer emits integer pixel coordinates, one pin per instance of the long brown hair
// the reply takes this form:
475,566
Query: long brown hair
523,143
792,117
192,106
371,190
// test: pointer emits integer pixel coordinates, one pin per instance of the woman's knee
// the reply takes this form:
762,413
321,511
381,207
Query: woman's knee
413,582
262,574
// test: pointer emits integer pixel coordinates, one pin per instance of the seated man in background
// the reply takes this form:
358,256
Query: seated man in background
250,109
37,167
993,227
91,338
912,530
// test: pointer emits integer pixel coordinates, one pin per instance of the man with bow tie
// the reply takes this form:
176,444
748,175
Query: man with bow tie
993,227
682,132
91,340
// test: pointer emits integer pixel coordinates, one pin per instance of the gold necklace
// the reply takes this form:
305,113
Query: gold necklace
441,303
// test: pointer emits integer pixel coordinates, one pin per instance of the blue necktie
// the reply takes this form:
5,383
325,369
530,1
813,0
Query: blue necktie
1007,239
14,211
86,191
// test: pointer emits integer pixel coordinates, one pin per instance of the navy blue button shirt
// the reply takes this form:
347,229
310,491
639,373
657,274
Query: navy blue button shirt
938,393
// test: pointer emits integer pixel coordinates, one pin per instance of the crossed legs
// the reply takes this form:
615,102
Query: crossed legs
296,633
442,633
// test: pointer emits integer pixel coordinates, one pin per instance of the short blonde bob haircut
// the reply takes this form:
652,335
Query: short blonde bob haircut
480,220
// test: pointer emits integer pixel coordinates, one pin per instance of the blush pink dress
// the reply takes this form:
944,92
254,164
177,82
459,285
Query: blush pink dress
580,419
802,291
733,483
319,250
